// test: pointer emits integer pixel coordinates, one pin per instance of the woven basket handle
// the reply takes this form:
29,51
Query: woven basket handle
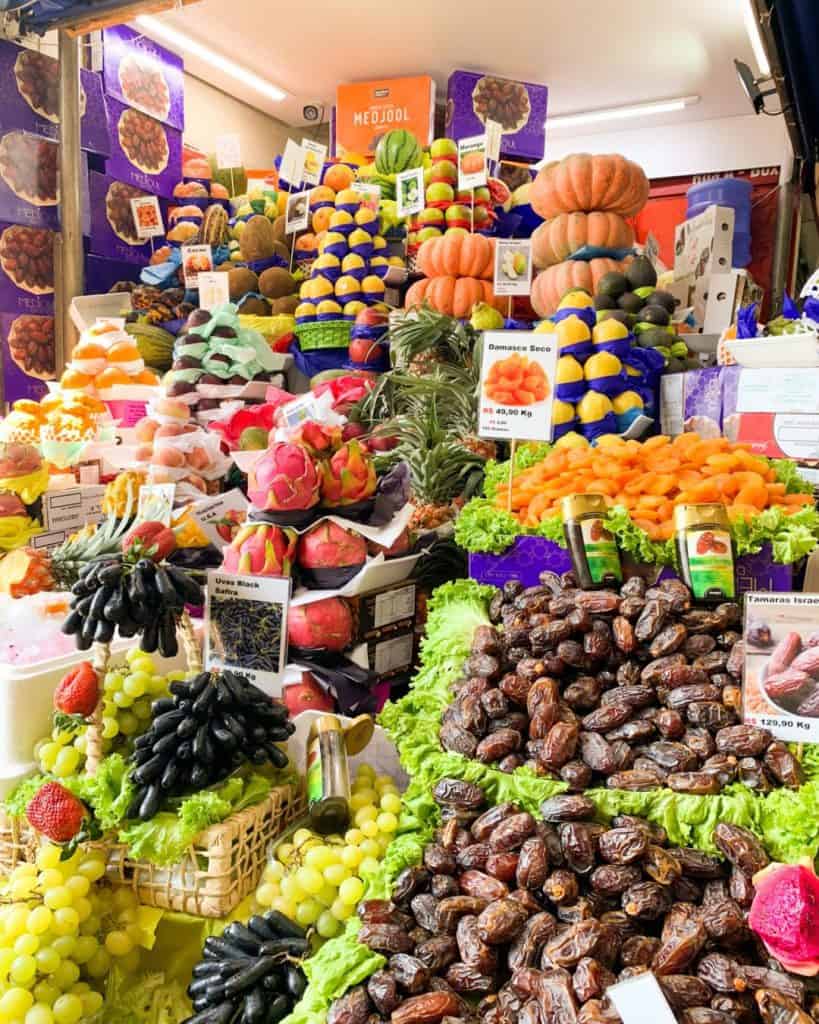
100,655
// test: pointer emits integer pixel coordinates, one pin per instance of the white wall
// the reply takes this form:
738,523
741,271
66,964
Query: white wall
209,112
689,147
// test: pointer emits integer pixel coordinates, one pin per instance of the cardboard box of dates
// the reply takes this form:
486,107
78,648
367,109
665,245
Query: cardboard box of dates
528,557
519,108
144,75
113,231
26,268
144,152
30,87
28,354
29,183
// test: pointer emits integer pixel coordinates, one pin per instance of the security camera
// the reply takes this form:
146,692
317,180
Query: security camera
750,85
311,112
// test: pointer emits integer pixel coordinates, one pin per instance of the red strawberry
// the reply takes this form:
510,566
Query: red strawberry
78,691
56,813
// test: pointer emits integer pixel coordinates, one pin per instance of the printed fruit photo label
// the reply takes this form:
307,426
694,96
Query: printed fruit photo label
601,551
710,562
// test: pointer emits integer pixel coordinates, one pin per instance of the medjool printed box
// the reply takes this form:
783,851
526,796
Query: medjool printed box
143,75
26,268
28,354
519,108
113,231
30,87
29,190
102,274
144,152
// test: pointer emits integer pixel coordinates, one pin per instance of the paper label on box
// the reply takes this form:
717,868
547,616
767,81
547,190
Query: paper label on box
196,260
472,161
764,390
785,700
220,517
393,654
297,212
156,503
315,153
672,403
214,289
394,605
640,1000
147,217
69,509
518,371
303,408
513,266
409,192
292,166
494,130
246,625
228,151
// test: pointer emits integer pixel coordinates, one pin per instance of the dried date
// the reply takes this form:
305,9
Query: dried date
646,901
502,921
352,1008
612,880
450,910
623,845
409,972
474,952
429,1008
483,826
382,988
482,886
498,745
385,938
591,979
741,847
577,774
437,952
532,864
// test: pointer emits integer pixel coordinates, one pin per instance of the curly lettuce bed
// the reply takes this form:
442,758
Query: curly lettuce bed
786,821
482,527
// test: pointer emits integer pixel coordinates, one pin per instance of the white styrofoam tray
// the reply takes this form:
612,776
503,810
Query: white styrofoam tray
780,351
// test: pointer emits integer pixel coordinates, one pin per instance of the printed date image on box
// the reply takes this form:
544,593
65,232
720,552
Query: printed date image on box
781,680
517,385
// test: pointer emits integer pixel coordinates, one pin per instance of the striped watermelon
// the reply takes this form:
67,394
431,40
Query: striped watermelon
397,151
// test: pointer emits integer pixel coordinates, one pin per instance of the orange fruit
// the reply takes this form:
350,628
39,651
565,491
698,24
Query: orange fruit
111,377
145,376
123,352
74,379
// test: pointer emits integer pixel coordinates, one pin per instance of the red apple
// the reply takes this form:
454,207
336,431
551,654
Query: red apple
381,442
352,430
307,695
363,350
371,316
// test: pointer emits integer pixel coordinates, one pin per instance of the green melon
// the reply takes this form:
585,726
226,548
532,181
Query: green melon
397,151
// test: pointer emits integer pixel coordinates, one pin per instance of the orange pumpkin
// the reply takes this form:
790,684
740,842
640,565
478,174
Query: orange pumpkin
585,182
550,285
457,255
454,296
555,240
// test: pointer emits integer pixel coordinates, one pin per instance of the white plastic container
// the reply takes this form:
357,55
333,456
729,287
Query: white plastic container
782,350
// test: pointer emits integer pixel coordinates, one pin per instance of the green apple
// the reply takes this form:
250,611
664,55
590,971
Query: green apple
481,217
440,192
458,212
426,233
457,231
443,170
482,196
443,148
431,217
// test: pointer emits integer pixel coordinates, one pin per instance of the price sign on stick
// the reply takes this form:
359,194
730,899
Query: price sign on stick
213,289
518,371
297,212
196,260
409,192
513,266
246,626
370,195
155,503
494,130
228,151
147,217
472,162
315,153
292,168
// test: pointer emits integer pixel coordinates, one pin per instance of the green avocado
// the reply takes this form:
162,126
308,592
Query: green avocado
640,272
656,315
644,292
614,314
653,337
614,284
603,301
630,302
664,299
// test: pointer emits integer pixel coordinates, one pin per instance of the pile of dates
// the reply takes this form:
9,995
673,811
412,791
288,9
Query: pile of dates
511,920
636,689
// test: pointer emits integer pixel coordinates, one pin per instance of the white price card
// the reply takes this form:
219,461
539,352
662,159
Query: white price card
513,266
297,212
303,408
472,161
640,1000
196,260
518,370
147,217
780,690
494,130
71,508
228,151
369,194
155,504
409,192
292,168
221,516
315,153
214,289
246,625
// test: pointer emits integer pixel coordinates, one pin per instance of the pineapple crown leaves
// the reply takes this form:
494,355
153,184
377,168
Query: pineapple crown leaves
428,331
68,723
72,554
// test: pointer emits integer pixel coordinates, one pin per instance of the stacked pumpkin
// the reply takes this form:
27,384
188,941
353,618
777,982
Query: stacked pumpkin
583,200
458,269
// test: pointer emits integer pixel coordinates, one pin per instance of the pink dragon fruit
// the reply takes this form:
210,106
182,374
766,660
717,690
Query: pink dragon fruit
785,915
284,479
319,440
400,546
348,477
328,546
326,624
259,549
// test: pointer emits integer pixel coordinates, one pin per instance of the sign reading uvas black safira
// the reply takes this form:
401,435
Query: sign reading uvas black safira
517,385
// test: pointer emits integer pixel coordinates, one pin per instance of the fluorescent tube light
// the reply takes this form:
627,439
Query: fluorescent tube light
620,113
180,41
755,37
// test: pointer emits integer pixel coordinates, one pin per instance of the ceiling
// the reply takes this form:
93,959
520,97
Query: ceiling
591,53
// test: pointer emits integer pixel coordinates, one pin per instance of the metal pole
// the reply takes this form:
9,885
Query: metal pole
71,250
783,244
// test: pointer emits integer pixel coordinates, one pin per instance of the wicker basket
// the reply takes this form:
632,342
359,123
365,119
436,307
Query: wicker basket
223,864
18,843
324,334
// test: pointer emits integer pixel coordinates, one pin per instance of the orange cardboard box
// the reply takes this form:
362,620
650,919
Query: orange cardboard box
367,110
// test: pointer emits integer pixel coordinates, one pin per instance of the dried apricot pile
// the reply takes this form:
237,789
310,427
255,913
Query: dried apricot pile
649,478
516,380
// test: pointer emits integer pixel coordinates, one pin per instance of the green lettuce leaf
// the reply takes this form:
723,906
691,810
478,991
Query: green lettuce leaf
482,527
791,537
552,529
787,473
144,998
18,799
496,476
